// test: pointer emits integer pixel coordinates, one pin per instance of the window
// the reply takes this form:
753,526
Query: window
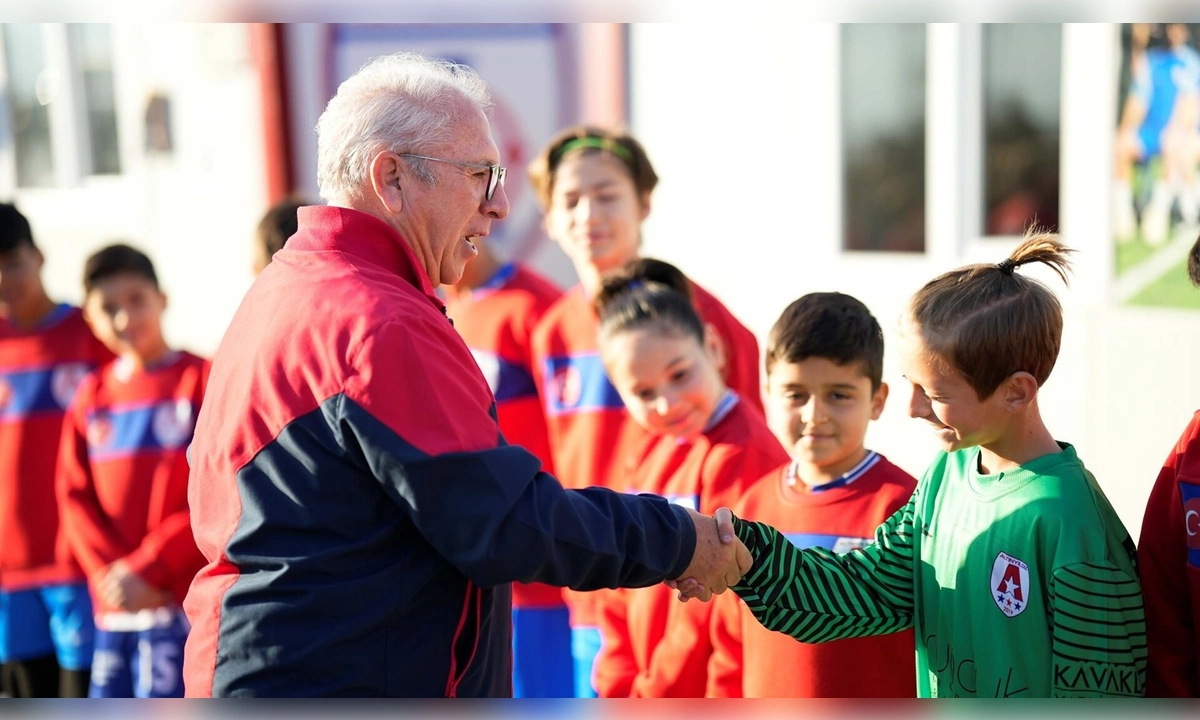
31,87
61,103
883,136
95,54
1022,77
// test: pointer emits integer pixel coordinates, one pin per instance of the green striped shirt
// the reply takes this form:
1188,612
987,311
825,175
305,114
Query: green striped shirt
1019,584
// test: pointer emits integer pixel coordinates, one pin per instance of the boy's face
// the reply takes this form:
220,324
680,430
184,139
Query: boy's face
942,397
669,382
819,411
595,213
20,276
125,312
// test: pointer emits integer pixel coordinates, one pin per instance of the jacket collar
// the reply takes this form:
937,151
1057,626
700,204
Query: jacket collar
339,229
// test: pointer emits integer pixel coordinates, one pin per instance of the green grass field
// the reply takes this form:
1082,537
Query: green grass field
1173,289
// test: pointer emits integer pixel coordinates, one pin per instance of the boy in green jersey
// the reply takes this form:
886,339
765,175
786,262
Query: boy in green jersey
1009,563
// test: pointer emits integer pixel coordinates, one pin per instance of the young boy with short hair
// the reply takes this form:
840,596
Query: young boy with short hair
45,350
122,480
824,385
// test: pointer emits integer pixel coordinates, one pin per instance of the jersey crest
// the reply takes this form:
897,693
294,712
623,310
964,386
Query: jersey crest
65,380
172,423
1010,585
566,386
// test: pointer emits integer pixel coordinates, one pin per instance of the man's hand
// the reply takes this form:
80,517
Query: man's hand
720,559
691,586
120,587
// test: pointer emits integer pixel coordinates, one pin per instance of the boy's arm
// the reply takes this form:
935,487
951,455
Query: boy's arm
615,666
169,550
816,596
1098,645
679,662
92,538
725,634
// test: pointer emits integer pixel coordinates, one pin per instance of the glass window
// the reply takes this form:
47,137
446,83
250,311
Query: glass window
95,53
883,136
32,85
1022,76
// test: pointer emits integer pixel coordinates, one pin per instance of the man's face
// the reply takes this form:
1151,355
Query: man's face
441,221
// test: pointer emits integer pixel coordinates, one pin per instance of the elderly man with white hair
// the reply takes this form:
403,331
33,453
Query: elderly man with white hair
360,512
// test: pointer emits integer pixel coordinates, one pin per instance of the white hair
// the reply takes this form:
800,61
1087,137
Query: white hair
402,102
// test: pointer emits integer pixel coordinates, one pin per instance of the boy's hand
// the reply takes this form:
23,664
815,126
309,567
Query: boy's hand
121,587
690,587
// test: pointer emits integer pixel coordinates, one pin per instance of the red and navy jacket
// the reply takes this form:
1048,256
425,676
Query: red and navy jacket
122,473
496,320
1169,568
360,514
40,370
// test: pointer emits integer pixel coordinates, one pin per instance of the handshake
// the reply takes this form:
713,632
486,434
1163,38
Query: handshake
719,561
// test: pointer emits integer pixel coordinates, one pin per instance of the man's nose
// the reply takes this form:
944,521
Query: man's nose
497,208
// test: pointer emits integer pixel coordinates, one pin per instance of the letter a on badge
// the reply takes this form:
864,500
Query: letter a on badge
1010,584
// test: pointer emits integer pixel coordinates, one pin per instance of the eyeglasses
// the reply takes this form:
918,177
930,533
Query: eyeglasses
495,172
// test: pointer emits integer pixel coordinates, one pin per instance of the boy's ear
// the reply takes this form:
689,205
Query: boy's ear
878,400
1020,390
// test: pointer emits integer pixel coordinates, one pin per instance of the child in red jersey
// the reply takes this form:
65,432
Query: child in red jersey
1169,561
45,350
824,371
595,185
122,480
706,448
494,308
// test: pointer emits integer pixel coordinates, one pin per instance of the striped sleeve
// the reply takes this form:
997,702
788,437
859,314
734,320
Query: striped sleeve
1099,632
816,596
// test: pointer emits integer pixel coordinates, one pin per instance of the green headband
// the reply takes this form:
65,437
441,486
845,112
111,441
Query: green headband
599,144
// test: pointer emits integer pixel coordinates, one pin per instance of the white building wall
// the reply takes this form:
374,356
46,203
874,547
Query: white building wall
741,122
194,210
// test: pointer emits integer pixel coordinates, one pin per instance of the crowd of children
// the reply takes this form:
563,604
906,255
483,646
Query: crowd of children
1003,571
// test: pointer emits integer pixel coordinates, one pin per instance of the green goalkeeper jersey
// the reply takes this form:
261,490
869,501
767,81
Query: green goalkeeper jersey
1020,583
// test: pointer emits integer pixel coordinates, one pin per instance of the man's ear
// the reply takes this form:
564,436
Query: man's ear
385,171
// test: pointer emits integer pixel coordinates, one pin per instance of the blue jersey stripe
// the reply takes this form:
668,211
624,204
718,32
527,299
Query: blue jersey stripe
133,429
508,380
578,383
1190,494
39,390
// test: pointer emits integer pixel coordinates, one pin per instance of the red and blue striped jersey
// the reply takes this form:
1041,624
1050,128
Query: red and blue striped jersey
39,372
123,472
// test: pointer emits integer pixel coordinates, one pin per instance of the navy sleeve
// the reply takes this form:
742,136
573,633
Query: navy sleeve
494,515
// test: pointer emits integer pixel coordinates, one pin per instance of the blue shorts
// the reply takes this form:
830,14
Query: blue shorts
542,663
141,663
50,620
585,645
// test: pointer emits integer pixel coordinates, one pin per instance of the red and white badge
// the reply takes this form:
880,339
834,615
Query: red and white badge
1010,585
